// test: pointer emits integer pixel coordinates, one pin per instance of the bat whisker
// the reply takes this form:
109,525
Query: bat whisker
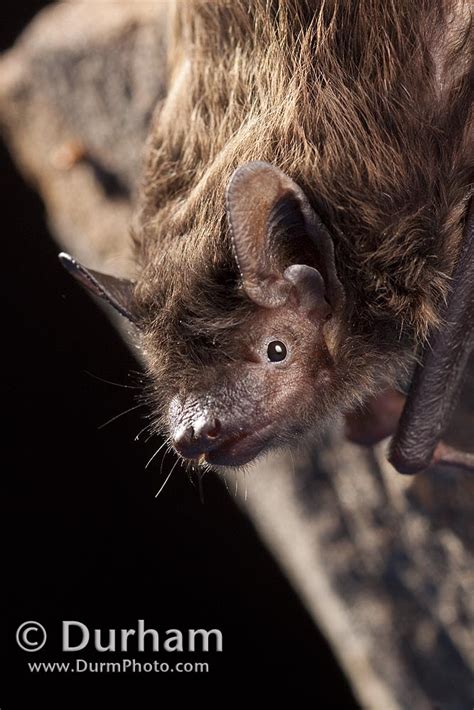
122,414
147,426
226,483
201,488
167,477
168,450
109,382
156,453
190,471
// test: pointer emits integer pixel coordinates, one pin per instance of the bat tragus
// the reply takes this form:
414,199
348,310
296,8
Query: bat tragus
304,235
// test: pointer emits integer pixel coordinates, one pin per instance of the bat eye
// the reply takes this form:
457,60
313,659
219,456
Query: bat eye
276,351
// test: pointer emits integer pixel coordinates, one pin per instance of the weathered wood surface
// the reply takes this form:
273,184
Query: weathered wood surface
383,563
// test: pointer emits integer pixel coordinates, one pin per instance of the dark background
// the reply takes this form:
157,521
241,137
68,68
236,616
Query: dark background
86,538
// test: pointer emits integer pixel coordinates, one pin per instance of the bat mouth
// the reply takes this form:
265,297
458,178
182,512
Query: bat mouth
239,450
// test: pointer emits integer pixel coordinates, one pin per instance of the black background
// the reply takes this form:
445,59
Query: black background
86,538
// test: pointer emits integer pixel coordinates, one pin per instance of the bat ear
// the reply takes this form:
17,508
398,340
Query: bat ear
265,206
115,291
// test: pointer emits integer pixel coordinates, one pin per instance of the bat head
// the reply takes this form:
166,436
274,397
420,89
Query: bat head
261,355
272,388
244,351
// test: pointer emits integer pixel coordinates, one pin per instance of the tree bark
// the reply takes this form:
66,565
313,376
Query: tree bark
382,562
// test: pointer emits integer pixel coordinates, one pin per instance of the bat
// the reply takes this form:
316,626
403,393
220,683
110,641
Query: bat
304,228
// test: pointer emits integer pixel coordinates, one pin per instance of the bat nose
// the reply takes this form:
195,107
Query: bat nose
193,441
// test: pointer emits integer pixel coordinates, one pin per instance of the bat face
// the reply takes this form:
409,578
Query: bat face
275,388
235,383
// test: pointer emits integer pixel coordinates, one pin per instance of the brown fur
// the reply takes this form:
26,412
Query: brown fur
366,105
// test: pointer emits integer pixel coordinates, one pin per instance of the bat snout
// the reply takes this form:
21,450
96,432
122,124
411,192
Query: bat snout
208,434
199,438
